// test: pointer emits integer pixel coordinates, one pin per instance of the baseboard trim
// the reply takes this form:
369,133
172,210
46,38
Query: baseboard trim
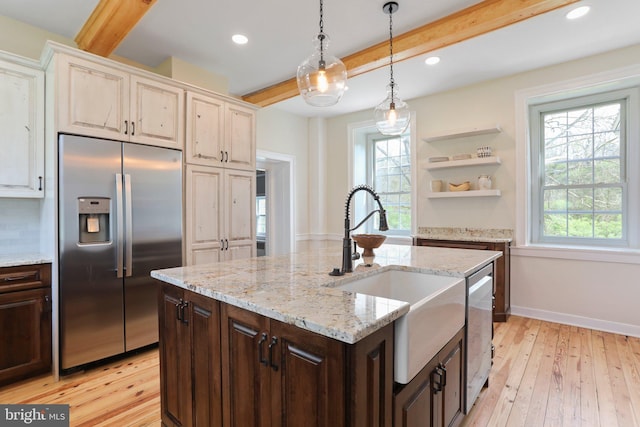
583,322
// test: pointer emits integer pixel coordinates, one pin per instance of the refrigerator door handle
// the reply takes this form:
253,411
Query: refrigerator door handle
128,267
120,227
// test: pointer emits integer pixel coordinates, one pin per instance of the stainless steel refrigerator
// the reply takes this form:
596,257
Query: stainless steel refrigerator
120,216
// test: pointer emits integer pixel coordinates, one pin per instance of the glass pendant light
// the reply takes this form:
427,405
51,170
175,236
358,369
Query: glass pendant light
322,78
392,115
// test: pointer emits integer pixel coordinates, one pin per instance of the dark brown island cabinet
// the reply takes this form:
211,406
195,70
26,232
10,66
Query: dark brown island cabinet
502,284
225,366
25,321
434,398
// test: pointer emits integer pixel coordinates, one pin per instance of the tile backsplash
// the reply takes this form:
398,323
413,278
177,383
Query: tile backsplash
19,226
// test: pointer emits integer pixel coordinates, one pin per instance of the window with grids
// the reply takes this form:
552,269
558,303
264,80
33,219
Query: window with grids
579,160
390,171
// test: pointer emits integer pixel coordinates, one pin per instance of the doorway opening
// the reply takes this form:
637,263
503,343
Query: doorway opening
276,233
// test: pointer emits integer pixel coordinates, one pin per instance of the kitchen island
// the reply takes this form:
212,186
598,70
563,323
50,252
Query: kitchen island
270,341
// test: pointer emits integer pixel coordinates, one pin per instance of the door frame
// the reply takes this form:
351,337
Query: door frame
280,192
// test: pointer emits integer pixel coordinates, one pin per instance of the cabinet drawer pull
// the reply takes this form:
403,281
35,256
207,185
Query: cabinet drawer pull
15,278
133,128
221,156
263,338
274,341
40,185
438,378
184,318
178,312
126,127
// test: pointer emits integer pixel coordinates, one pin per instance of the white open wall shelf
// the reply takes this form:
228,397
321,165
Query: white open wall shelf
476,161
460,194
462,133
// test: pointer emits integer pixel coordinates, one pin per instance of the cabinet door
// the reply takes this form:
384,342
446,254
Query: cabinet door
245,374
413,405
21,131
240,201
240,150
204,320
175,359
205,130
93,99
204,214
25,334
307,378
157,113
452,393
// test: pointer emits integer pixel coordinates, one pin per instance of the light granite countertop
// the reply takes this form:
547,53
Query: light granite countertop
14,260
298,290
464,234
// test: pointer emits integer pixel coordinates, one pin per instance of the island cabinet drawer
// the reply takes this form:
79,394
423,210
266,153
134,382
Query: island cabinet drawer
224,365
25,277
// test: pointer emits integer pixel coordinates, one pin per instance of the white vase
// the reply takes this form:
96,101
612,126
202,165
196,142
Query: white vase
484,182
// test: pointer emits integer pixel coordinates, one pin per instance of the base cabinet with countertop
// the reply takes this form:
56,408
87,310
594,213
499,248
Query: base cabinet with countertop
25,321
435,396
502,284
270,373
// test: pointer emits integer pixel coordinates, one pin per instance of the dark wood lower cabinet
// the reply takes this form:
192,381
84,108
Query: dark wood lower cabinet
502,284
270,373
190,376
434,398
25,322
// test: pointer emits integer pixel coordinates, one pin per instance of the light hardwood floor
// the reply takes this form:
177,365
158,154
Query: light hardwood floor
544,374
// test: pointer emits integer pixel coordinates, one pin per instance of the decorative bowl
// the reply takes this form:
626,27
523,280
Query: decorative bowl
369,242
459,187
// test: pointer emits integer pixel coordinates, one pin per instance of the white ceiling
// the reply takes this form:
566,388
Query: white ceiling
281,31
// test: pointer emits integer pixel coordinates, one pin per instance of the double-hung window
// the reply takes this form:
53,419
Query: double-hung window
384,163
580,187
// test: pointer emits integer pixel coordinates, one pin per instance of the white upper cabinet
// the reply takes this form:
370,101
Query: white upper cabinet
98,100
219,133
21,130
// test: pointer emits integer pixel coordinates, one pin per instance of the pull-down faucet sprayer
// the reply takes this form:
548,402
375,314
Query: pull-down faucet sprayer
347,265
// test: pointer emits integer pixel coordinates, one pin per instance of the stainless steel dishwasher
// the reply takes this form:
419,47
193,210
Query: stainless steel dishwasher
478,332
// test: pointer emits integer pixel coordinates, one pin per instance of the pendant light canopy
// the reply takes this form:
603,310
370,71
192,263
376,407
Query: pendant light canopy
322,78
392,115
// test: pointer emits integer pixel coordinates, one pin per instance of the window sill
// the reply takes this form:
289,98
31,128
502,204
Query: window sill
623,256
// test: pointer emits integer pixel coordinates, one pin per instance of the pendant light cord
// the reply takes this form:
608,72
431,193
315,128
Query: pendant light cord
321,35
391,81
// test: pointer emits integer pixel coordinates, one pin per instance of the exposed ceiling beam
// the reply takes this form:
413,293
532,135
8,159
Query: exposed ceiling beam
481,18
109,24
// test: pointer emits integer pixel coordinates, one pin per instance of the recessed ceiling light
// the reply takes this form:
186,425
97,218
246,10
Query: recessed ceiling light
578,12
239,39
432,60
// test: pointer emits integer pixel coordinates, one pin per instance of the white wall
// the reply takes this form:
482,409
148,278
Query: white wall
597,294
286,133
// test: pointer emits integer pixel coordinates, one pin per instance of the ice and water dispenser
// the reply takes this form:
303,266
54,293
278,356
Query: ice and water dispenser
93,219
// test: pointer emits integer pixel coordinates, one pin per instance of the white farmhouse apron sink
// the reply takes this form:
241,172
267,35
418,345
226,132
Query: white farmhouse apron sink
437,311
